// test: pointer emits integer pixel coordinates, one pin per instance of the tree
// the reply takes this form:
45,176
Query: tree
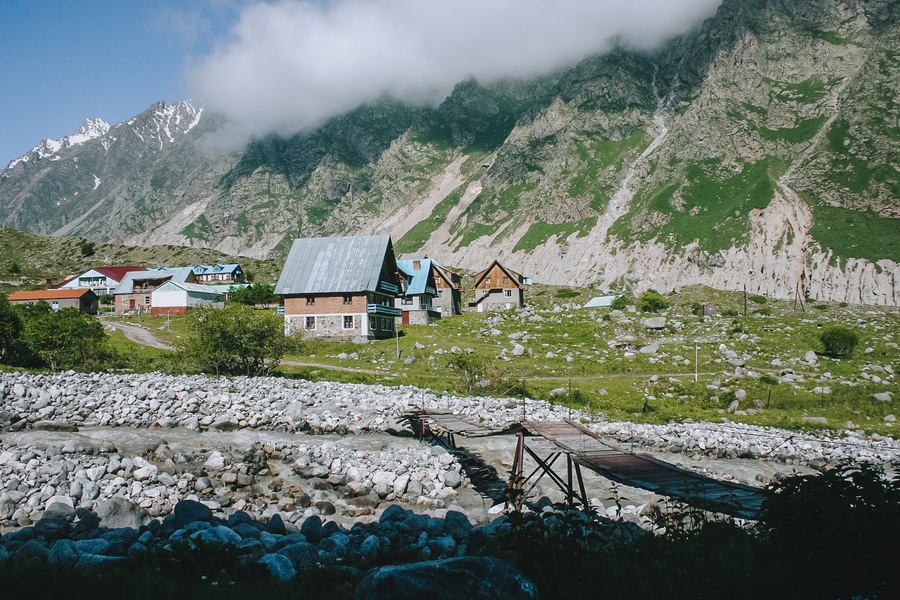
620,303
652,301
839,342
234,340
472,369
106,299
87,249
10,329
65,339
261,293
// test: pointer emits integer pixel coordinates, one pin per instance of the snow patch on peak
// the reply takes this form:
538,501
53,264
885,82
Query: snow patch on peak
90,129
96,182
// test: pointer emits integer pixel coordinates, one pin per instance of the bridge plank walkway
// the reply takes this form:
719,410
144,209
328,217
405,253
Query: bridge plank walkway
644,471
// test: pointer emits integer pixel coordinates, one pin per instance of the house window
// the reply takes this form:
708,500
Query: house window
506,280
310,301
488,281
417,265
310,322
348,299
407,301
348,321
55,305
147,300
508,293
440,293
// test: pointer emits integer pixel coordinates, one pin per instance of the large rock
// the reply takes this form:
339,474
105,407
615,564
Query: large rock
467,578
118,512
653,322
188,511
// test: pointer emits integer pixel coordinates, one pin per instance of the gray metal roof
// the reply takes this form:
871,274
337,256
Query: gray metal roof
334,265
126,286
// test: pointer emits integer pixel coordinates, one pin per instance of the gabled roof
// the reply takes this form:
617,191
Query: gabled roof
416,279
188,287
68,279
516,278
336,264
445,273
117,273
50,294
208,269
126,286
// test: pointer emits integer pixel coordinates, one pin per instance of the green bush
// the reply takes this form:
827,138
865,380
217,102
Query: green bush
697,309
821,307
235,340
566,293
758,299
652,301
763,312
619,303
64,339
838,342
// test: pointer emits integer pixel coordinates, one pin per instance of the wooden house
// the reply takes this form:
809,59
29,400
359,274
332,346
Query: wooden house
498,288
84,299
448,284
341,287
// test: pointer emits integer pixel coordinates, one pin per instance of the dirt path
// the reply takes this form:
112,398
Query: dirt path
138,335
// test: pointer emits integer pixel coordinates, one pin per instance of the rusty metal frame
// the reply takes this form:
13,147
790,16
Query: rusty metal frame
517,490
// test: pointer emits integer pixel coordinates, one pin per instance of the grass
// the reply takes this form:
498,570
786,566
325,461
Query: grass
856,234
416,237
714,211
541,232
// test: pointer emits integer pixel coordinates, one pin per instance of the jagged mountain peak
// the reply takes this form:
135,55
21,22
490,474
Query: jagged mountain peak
91,128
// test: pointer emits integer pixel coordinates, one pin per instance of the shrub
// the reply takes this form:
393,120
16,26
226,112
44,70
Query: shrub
697,309
652,301
821,307
758,299
87,249
838,342
566,293
843,305
619,303
838,527
470,369
763,312
65,339
235,340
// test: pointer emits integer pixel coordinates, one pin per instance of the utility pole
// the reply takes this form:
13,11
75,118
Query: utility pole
696,367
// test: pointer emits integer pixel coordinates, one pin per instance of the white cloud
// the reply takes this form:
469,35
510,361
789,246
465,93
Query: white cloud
290,65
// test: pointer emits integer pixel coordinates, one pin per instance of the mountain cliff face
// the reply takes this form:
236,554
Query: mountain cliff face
759,150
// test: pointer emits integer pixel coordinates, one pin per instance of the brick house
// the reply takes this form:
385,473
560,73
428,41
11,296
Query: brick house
84,299
341,287
416,304
135,292
498,288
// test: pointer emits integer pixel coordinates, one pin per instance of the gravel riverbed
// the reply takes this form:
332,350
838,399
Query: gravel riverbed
130,448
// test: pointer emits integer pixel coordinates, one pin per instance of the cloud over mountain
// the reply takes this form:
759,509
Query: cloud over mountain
290,65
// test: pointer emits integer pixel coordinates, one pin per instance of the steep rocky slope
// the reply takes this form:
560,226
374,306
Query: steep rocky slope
758,150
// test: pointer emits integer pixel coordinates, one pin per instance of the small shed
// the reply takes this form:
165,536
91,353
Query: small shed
600,301
177,298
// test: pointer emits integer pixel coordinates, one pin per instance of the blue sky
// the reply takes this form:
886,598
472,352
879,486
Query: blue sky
66,60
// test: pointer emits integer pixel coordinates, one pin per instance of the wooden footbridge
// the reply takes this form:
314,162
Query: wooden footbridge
583,448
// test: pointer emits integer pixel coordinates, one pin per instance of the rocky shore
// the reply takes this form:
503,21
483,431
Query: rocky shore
96,467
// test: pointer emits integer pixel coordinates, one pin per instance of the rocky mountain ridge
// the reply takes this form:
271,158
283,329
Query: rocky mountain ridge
758,150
